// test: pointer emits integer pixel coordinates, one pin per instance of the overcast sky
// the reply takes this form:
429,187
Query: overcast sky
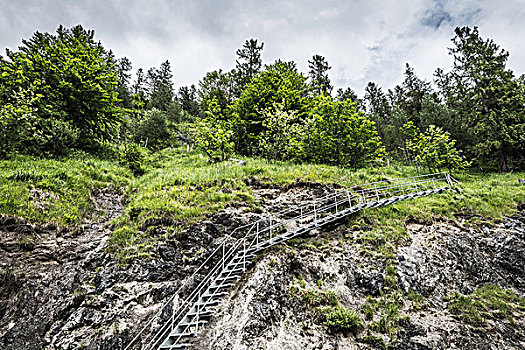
363,40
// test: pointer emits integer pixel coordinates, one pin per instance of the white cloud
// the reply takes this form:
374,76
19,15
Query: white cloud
362,40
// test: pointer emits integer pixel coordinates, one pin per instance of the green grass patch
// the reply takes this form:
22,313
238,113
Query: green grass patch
342,319
313,297
56,190
487,302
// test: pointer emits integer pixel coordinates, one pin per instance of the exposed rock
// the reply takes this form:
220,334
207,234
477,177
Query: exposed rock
61,289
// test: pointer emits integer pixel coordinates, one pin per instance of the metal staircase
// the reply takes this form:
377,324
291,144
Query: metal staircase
179,321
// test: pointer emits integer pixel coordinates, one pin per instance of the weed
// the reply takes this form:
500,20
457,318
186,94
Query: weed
343,319
488,301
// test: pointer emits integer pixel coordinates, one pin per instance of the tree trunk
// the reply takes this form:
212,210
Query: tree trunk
502,161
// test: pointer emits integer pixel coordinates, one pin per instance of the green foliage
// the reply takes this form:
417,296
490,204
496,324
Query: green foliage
188,101
343,319
313,297
247,66
339,134
44,190
216,87
152,130
22,131
487,97
433,148
488,301
160,86
318,74
283,136
279,84
133,158
213,134
74,81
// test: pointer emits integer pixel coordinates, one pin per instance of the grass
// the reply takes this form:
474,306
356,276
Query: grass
313,297
343,319
181,188
56,190
486,302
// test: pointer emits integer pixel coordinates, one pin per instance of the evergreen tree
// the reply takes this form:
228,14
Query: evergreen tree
319,80
489,97
248,64
188,101
216,86
160,86
124,66
413,90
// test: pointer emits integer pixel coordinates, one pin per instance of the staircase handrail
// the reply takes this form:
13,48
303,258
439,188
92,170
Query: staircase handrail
363,193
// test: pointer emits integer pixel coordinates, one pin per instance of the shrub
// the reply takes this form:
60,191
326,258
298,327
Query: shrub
343,319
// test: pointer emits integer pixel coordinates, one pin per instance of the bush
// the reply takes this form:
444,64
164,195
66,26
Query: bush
435,149
153,130
343,319
133,158
22,131
213,134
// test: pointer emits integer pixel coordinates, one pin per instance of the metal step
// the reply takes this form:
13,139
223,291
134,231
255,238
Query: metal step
194,323
226,273
175,346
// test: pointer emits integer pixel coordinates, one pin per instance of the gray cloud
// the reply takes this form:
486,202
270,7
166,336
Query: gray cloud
363,40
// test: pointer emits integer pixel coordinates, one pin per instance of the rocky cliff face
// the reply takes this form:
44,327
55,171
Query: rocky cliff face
64,290
441,258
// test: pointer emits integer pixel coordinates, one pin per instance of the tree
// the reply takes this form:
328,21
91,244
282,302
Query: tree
216,86
280,83
152,129
74,78
247,65
124,66
213,134
487,96
381,112
346,95
283,138
339,134
319,80
188,101
411,94
160,86
434,149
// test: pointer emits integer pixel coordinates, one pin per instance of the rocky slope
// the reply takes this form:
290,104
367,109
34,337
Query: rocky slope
62,289
441,258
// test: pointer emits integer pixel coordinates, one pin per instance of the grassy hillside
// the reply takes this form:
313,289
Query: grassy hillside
56,191
180,188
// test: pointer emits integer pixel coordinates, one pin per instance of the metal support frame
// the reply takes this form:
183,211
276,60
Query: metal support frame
287,224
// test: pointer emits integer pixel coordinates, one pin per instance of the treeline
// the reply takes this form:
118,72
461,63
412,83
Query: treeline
65,91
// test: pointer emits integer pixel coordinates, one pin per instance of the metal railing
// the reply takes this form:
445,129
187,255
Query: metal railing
272,229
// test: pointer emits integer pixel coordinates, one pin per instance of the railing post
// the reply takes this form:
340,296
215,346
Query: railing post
270,227
377,192
173,313
448,179
257,236
335,199
223,249
315,215
197,324
348,195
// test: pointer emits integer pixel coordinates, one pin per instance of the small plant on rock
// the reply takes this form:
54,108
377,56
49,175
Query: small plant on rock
343,319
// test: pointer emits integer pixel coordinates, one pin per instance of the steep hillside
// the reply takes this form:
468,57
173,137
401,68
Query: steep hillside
433,273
